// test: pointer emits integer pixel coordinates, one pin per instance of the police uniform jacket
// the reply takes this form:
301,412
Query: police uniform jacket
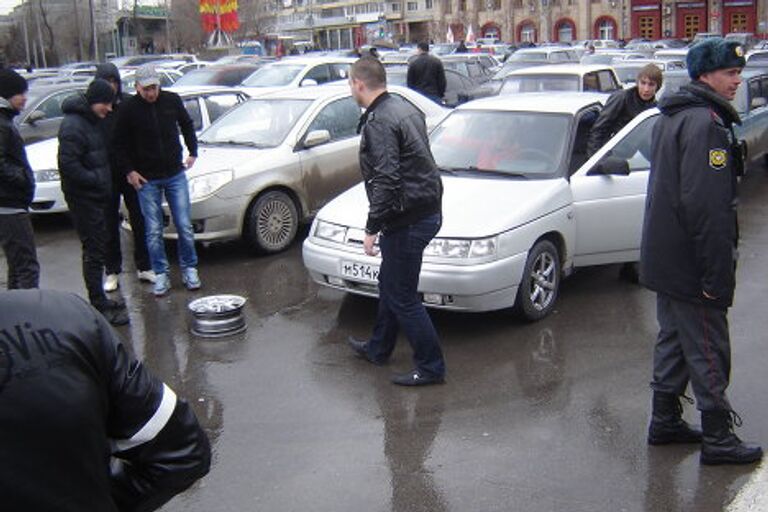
83,157
83,425
17,183
690,228
400,175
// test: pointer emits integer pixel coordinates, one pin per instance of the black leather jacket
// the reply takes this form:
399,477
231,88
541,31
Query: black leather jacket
71,399
401,178
622,106
17,183
690,229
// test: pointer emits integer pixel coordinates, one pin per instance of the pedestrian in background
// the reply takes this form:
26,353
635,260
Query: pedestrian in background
17,187
148,148
622,106
121,189
87,185
83,425
405,212
688,253
426,74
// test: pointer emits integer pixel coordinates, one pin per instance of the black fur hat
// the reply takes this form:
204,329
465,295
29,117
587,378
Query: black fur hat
712,54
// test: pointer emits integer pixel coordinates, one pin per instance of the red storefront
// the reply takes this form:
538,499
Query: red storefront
646,19
739,16
690,19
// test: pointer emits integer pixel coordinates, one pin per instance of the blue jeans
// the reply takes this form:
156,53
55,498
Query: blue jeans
151,199
400,306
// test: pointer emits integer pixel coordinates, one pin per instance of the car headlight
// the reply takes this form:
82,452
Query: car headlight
332,232
207,184
452,248
45,175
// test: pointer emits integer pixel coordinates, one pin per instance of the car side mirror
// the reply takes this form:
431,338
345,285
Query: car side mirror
37,115
317,138
759,102
610,166
308,82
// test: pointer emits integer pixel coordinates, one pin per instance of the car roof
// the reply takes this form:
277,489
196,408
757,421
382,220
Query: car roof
200,90
561,103
312,60
560,69
544,49
41,90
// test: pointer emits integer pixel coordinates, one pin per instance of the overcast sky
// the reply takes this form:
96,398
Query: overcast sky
6,6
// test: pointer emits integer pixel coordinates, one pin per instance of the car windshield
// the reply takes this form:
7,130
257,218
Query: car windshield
627,74
540,83
521,144
528,56
257,123
275,75
202,76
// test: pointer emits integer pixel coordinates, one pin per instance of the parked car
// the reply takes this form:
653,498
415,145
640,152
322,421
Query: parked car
558,78
567,213
627,70
271,163
457,90
224,76
42,115
757,59
478,67
203,106
297,72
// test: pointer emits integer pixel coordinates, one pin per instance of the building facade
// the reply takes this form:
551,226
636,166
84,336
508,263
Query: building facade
337,24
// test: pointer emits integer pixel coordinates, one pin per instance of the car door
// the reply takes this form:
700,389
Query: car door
754,118
48,126
320,74
218,104
609,208
331,168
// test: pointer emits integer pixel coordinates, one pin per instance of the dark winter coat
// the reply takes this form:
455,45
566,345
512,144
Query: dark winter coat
401,178
83,157
147,136
108,124
71,399
427,75
690,230
17,182
622,106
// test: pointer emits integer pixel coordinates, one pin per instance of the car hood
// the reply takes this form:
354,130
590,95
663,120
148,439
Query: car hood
211,158
43,155
472,207
255,92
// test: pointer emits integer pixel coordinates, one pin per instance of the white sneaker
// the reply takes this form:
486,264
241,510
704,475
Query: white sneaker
111,283
147,276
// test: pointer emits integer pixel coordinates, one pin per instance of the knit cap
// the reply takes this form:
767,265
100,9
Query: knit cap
99,91
11,83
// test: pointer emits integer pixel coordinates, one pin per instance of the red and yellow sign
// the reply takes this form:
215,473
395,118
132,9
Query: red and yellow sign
219,14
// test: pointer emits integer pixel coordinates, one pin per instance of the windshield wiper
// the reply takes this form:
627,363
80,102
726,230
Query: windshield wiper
235,143
494,172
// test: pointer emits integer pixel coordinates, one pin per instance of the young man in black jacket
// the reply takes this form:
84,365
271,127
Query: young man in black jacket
83,425
405,212
17,187
427,75
149,153
121,189
688,253
87,185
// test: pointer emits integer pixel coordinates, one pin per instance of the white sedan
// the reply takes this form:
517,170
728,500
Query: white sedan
521,206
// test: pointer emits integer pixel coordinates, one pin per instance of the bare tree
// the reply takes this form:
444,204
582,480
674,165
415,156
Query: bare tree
186,29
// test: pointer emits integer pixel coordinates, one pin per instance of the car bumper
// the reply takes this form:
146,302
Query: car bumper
213,219
48,198
482,287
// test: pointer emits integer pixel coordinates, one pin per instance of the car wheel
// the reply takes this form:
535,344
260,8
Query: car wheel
541,281
272,222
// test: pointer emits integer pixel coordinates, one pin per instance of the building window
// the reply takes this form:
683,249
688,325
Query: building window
691,25
429,4
565,33
447,6
395,7
607,30
462,5
738,22
528,33
646,25
413,6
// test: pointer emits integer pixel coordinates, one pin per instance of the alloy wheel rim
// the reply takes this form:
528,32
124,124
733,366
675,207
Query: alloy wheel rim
275,223
543,281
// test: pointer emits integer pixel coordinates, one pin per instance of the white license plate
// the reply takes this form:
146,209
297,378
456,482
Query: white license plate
360,271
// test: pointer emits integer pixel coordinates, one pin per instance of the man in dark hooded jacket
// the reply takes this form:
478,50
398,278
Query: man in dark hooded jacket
688,253
17,187
121,189
87,184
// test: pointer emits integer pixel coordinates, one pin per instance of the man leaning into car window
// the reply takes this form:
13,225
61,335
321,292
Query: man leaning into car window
405,212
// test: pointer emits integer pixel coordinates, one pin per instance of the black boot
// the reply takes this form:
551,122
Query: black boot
720,445
667,424
114,315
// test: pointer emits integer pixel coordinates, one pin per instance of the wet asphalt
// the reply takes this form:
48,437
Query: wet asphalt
549,416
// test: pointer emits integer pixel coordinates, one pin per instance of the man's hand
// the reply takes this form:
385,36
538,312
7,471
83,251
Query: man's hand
368,247
190,161
136,180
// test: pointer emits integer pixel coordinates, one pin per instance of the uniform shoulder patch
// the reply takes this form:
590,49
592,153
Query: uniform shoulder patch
718,158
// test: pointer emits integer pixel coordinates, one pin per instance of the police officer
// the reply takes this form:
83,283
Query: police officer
688,253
